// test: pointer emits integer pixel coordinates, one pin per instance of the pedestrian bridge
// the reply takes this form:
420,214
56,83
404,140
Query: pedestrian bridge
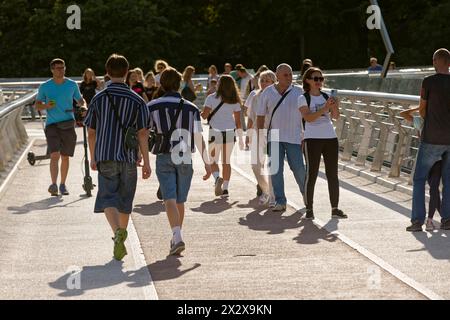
56,248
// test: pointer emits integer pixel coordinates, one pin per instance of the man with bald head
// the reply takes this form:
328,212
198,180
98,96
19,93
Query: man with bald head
435,140
278,113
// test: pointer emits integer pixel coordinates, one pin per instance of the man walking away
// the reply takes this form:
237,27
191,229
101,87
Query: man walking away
111,113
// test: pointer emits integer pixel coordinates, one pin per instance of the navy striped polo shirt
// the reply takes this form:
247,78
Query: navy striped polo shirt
164,109
102,118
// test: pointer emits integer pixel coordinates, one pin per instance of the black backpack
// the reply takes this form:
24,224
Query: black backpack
307,96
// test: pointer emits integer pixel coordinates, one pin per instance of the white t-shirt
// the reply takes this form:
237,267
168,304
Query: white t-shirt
323,127
223,120
243,88
157,79
287,118
250,104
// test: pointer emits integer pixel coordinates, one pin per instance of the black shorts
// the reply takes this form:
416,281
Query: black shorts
60,140
222,137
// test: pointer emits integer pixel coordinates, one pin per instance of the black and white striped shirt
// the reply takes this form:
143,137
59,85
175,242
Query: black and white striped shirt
164,109
102,118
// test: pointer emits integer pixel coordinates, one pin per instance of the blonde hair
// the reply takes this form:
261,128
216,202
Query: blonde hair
160,62
85,75
187,73
268,74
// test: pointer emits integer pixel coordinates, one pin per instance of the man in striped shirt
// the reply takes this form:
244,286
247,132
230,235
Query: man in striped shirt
174,166
110,113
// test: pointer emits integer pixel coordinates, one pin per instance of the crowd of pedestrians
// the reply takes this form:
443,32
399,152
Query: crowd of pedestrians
129,115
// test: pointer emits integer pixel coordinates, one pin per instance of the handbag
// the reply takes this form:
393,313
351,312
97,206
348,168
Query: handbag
188,94
159,143
66,125
131,141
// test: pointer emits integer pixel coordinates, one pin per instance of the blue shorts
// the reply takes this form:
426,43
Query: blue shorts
174,179
116,186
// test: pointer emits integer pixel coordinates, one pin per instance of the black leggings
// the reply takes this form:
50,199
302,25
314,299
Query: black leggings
314,149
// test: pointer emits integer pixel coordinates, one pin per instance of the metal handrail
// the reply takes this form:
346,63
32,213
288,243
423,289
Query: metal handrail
380,96
15,104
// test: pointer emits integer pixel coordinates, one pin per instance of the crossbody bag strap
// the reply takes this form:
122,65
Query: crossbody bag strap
275,109
215,111
174,120
116,112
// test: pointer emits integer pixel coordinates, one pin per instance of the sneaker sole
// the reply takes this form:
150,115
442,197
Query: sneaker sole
178,250
218,188
338,217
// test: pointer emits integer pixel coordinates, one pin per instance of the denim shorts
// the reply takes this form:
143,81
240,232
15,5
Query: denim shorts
174,179
116,186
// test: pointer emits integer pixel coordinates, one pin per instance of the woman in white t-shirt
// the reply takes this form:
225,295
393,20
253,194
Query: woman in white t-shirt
264,188
222,132
320,139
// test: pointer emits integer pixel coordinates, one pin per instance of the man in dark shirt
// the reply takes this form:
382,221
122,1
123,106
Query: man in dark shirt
110,113
435,145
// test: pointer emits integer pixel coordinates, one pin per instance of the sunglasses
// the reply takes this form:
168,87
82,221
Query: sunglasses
317,79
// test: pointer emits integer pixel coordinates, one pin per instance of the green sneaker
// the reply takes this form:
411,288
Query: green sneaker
119,244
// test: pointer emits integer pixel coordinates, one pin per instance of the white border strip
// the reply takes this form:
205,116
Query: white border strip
140,262
375,259
13,171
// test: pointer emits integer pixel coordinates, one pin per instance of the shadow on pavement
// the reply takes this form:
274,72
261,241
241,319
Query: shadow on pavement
368,195
437,244
312,234
169,268
42,205
273,222
215,206
152,209
76,283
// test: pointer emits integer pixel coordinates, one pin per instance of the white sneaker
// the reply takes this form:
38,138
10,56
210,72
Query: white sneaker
264,199
279,208
430,225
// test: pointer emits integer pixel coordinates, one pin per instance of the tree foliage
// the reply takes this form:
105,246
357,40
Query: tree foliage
203,32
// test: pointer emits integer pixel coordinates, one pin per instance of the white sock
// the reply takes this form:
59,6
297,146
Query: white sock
225,185
176,231
216,174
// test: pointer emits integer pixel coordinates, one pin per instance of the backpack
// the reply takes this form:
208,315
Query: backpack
307,96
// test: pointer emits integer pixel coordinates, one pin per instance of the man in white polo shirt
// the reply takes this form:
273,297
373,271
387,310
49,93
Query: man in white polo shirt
278,112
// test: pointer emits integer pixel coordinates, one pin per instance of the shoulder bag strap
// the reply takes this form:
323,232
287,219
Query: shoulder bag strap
275,109
211,115
174,120
115,109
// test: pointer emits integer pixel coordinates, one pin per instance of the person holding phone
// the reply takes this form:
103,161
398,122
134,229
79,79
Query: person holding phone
320,139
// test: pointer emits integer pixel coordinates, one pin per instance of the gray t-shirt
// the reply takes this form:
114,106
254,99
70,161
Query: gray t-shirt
436,91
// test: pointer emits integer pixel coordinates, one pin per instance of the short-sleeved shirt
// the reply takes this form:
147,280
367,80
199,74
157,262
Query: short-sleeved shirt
223,120
63,94
436,91
322,127
163,110
251,104
101,117
287,119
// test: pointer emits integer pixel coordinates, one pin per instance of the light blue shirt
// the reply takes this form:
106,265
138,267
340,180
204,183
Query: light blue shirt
63,94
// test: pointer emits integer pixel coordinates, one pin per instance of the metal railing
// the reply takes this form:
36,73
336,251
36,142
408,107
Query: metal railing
12,131
370,130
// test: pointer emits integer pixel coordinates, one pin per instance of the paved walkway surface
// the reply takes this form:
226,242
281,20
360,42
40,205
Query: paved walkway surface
235,249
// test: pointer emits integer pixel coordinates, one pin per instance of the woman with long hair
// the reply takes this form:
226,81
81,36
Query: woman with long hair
187,85
223,111
320,139
89,85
